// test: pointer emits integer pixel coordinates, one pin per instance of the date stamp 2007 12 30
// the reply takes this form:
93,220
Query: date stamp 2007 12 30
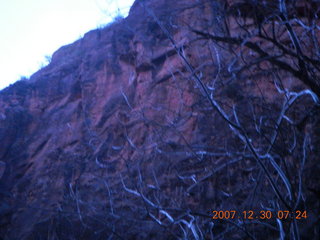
263,214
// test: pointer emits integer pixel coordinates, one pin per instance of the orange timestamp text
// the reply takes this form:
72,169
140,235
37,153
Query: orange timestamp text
263,214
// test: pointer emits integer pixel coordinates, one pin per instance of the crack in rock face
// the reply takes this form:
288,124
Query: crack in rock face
2,168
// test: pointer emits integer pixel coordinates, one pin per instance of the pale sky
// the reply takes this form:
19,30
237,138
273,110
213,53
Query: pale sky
33,29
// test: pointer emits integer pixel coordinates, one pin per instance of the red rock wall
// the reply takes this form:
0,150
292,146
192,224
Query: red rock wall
118,110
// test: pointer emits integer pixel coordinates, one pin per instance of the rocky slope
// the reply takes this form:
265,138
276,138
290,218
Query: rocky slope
117,138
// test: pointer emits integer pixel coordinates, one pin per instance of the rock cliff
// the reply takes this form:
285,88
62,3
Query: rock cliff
141,129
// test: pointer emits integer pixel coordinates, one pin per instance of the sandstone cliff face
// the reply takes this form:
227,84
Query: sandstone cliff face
115,138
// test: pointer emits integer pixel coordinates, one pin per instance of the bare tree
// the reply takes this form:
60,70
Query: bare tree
265,90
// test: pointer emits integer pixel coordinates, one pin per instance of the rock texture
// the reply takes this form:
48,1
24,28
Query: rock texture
111,138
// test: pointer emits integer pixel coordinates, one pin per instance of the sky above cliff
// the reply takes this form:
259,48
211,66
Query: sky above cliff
33,29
